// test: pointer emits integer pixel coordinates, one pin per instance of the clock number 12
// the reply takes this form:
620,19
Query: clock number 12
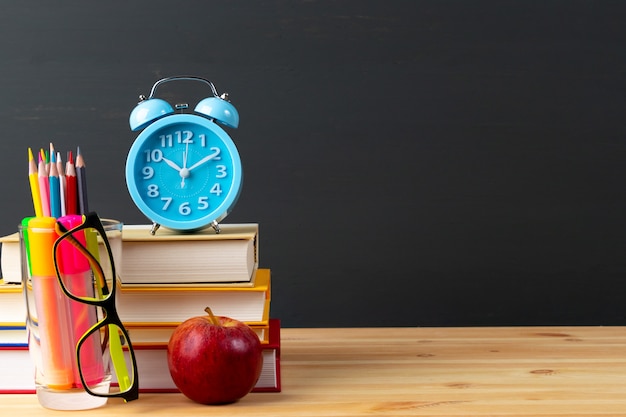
179,136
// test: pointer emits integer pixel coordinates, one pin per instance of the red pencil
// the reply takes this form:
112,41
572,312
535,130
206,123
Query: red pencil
71,186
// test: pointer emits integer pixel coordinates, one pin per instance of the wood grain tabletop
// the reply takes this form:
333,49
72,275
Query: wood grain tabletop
487,371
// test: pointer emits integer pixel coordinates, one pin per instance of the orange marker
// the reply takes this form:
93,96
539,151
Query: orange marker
57,350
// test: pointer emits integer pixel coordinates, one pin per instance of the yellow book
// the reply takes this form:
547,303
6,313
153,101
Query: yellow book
173,304
151,334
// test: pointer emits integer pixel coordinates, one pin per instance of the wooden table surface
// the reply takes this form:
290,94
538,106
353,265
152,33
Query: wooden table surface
512,371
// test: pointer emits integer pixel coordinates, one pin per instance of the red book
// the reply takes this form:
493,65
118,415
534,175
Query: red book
17,373
269,381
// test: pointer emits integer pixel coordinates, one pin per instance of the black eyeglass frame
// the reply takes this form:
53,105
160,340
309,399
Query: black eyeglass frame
107,303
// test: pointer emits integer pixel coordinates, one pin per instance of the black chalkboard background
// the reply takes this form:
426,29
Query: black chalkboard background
418,162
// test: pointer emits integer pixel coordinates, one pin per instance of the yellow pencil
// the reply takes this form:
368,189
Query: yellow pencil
34,183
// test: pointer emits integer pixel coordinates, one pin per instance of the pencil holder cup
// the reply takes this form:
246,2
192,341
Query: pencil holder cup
55,322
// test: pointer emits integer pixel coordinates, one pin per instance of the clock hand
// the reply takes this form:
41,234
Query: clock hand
202,161
172,164
185,154
184,172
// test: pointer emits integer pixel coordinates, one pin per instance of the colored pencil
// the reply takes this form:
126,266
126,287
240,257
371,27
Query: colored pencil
81,177
44,188
62,183
55,192
34,183
71,188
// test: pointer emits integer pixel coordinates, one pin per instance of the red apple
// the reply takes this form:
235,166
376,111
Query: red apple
214,359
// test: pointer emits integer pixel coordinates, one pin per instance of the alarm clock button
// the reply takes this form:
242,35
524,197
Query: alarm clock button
147,112
219,109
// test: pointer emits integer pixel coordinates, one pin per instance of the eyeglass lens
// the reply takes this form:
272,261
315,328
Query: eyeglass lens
101,376
84,264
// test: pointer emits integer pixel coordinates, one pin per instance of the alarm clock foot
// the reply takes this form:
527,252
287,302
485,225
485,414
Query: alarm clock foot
215,225
155,227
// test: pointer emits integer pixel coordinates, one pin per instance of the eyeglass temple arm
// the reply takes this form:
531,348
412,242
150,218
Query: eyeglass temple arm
117,356
91,238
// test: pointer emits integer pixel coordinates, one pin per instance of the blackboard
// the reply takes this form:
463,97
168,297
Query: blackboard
410,162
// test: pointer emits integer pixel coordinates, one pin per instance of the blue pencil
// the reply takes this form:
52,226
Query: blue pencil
55,189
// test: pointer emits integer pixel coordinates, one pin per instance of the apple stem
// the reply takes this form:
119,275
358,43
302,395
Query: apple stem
214,319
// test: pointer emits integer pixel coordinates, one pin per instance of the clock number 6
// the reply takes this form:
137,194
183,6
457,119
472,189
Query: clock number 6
185,208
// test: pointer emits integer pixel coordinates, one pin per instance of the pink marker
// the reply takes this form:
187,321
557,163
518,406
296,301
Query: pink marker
76,274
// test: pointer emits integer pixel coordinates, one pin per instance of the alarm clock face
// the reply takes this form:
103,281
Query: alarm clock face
184,172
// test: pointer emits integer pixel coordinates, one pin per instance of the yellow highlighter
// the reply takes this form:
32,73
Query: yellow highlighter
55,335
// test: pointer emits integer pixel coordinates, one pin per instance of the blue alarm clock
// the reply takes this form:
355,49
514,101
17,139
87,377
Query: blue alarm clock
183,171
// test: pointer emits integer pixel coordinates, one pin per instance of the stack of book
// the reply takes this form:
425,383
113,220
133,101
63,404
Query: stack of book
167,278
17,373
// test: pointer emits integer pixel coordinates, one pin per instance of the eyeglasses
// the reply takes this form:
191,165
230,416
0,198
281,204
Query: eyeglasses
85,269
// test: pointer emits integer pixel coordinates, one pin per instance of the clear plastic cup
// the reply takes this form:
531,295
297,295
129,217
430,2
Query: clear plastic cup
55,322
